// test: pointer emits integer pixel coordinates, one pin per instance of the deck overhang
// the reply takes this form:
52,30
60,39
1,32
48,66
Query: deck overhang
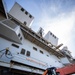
30,35
39,41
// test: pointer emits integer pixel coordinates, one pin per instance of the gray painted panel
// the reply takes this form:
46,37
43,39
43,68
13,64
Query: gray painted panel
9,34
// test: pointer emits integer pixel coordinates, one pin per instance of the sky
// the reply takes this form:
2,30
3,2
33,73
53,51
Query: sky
57,16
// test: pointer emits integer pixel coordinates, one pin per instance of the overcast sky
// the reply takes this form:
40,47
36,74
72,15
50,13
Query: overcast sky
57,16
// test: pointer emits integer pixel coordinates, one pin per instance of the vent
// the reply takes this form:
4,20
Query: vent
22,9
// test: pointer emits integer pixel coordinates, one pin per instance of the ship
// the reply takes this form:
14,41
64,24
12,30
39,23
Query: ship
22,50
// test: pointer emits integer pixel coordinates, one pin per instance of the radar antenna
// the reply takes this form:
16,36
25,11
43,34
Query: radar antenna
40,32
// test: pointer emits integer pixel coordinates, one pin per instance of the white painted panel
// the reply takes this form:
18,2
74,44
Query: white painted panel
20,15
65,60
50,37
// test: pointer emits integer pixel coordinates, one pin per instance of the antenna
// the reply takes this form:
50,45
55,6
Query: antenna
40,31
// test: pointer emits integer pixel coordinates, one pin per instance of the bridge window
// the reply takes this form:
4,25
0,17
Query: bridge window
26,13
25,22
19,34
15,45
23,51
35,48
30,16
47,55
50,33
28,53
41,51
21,38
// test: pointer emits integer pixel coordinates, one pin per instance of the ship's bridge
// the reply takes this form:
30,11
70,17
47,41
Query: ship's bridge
34,38
40,41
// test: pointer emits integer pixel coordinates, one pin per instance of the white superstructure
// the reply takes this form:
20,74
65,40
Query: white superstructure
51,38
21,15
22,50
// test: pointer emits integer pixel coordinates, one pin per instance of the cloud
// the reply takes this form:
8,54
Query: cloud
57,16
61,24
